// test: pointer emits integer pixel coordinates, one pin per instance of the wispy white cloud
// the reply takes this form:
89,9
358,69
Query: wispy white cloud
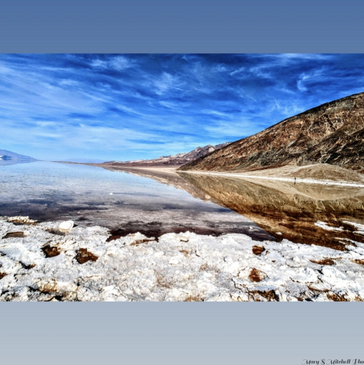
115,105
121,63
118,63
237,71
305,78
217,113
99,63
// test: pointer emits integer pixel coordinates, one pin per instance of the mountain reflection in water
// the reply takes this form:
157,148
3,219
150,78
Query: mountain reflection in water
282,209
288,210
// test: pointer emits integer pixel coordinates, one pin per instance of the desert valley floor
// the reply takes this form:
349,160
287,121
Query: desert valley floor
254,240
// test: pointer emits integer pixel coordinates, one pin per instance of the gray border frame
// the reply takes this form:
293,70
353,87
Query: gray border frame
180,333
167,26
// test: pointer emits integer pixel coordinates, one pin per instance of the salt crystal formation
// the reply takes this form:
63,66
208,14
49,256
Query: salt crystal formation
82,265
66,226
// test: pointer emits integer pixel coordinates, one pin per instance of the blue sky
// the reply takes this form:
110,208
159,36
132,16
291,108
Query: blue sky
126,107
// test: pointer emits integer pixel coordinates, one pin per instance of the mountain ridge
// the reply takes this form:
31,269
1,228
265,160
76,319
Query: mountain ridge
171,160
330,133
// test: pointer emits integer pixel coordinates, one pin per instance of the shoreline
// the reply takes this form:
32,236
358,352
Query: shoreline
269,174
291,180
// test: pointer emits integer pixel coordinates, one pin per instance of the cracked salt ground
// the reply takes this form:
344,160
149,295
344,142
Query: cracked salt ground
176,267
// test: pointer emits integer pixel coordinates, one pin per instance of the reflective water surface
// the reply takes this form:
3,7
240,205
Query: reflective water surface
325,215
119,200
155,202
292,211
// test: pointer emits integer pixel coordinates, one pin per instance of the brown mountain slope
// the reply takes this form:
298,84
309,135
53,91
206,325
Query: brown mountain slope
331,133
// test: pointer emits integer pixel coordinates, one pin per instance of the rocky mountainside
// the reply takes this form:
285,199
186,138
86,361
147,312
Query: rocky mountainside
10,158
179,159
331,133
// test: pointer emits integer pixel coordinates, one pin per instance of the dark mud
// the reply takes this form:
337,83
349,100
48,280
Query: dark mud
157,229
51,251
14,235
84,256
43,212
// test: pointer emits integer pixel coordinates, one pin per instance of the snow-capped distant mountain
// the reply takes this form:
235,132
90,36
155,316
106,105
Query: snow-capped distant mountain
11,158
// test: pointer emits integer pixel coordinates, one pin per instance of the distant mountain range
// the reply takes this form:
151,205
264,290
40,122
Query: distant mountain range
332,133
82,160
11,158
176,160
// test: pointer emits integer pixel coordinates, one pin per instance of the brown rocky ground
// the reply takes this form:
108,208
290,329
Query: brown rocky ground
315,172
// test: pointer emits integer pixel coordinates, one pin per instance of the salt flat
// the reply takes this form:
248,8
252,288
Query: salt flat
51,261
109,236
